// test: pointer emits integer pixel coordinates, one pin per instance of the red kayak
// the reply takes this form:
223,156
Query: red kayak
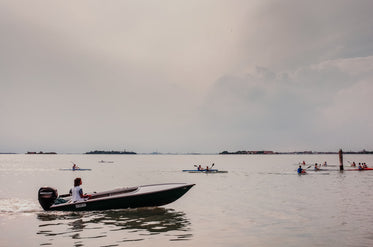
357,169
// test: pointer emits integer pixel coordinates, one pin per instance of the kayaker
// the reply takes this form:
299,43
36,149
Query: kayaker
300,170
200,168
360,167
77,192
75,167
365,165
207,168
325,164
316,168
353,164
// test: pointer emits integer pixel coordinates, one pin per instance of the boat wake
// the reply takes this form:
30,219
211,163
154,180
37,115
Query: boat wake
17,206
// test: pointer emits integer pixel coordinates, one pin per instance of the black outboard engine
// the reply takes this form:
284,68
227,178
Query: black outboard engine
47,196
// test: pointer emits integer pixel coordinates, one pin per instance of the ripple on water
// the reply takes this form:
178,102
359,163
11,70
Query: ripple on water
129,225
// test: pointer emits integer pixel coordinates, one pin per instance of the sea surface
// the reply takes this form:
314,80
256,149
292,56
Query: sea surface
261,201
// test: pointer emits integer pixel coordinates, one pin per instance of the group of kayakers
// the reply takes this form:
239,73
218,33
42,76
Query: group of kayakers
361,166
317,167
200,168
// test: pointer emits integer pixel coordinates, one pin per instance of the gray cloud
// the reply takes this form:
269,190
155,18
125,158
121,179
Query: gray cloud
299,110
184,76
289,34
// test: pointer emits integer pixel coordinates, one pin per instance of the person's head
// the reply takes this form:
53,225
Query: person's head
77,181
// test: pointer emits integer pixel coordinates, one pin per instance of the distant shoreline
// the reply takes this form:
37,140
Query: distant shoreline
294,152
221,153
110,152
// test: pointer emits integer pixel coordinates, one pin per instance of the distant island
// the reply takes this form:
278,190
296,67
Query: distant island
109,152
249,152
296,152
41,152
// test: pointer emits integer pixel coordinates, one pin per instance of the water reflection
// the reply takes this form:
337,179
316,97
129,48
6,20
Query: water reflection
115,225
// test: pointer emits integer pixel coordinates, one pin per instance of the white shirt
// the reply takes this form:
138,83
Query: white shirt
76,191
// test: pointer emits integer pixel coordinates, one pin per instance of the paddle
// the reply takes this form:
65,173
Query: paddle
304,170
209,168
205,169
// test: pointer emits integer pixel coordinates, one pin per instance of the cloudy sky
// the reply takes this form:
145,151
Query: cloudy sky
186,76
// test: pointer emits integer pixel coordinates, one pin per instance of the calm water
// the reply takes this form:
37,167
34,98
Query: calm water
260,202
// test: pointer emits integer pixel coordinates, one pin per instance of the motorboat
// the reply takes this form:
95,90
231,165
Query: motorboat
152,195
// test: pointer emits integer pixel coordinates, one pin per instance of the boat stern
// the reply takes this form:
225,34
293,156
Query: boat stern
47,196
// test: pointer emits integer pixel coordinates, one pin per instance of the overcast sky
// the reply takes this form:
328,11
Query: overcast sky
186,76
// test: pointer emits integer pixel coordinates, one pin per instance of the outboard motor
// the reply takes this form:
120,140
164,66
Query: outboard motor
47,196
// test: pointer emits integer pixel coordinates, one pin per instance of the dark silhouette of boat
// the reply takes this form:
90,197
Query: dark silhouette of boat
133,197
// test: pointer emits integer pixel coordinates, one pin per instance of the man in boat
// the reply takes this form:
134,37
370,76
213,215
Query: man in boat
360,167
200,168
77,192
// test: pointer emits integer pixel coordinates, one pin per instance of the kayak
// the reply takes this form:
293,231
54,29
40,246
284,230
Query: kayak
132,197
321,169
77,169
205,171
357,169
